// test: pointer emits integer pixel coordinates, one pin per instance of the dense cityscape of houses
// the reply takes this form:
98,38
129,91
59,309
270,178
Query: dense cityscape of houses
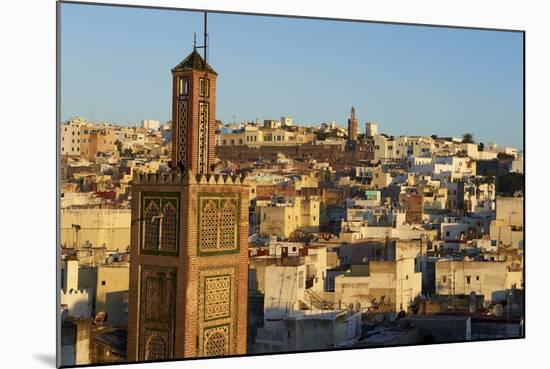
355,239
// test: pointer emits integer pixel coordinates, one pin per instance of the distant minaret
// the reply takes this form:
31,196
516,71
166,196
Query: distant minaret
352,128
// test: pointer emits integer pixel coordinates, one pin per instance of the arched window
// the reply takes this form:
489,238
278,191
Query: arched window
209,226
169,227
151,226
228,215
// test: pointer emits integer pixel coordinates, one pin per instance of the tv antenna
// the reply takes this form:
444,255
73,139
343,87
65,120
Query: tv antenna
205,44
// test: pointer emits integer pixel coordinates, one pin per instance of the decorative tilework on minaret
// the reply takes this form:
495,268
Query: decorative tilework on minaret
189,238
193,114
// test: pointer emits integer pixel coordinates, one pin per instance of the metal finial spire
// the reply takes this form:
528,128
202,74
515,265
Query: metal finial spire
205,37
205,44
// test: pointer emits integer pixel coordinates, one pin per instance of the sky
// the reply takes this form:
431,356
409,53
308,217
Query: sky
411,80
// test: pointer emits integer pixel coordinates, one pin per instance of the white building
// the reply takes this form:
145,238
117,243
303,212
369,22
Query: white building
395,283
507,228
76,301
371,129
70,136
440,167
402,147
286,121
487,278
150,124
292,322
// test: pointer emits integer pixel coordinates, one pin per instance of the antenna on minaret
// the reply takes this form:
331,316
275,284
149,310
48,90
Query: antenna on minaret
205,44
205,37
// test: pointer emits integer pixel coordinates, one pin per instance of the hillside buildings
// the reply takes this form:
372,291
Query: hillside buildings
199,238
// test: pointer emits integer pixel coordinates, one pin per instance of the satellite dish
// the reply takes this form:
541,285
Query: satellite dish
498,310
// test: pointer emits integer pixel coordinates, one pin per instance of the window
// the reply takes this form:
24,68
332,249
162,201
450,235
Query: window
477,278
202,87
406,277
468,279
183,88
444,279
103,283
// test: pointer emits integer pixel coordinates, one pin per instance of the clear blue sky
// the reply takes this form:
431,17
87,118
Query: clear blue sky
115,66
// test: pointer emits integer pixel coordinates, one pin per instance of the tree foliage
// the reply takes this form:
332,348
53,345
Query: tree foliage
468,138
508,184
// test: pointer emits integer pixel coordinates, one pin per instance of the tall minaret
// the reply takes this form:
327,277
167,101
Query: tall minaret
352,128
193,114
188,285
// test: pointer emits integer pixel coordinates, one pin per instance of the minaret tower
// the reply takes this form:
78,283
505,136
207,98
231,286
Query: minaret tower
189,238
193,113
352,129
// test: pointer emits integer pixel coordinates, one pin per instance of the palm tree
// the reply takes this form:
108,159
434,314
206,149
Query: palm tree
468,138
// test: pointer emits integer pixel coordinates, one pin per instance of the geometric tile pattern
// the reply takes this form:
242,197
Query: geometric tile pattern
217,307
218,223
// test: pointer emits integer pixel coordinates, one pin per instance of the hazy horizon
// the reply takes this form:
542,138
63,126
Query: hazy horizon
411,80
